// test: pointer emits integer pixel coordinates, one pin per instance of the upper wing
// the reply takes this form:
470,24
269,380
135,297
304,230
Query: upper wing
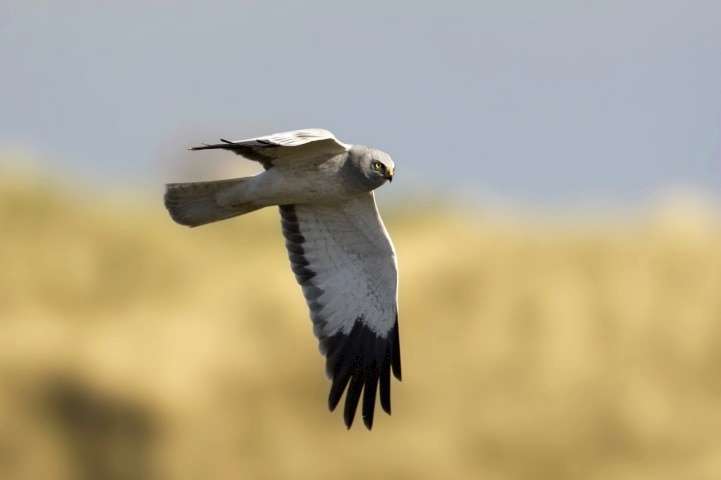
296,144
344,260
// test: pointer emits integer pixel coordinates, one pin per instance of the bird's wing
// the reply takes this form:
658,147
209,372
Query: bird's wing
310,143
344,260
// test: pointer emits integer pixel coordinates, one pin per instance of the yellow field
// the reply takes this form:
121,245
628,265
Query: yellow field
131,348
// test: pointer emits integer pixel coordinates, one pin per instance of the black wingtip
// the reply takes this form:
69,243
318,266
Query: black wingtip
340,381
385,390
204,146
396,346
352,397
208,146
361,362
369,397
368,422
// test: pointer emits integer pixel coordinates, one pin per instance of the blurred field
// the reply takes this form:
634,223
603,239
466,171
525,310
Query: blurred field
131,348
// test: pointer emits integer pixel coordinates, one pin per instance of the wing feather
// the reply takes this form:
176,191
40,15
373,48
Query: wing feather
345,263
294,145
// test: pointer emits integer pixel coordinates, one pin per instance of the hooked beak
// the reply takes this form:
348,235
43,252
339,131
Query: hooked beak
389,175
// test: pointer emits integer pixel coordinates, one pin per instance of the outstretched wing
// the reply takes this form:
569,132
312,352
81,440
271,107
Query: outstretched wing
294,145
344,260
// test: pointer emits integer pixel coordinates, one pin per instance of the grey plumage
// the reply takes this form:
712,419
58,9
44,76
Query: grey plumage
338,247
194,204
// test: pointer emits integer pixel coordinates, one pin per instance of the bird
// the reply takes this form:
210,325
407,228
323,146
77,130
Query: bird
339,249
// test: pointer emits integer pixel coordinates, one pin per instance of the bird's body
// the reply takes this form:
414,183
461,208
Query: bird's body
294,183
338,247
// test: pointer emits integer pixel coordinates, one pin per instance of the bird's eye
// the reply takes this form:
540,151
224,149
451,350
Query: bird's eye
377,166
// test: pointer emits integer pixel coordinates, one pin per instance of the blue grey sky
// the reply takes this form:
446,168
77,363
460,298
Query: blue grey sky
550,102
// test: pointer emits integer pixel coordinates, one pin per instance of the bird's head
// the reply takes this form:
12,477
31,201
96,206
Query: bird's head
375,166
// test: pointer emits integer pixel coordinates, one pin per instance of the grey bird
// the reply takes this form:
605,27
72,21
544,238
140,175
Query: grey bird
339,249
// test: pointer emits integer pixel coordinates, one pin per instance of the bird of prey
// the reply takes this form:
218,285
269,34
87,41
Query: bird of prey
339,249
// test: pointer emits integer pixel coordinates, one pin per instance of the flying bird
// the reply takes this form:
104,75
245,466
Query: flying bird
339,249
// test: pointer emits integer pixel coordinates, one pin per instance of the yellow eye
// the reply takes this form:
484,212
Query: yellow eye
377,166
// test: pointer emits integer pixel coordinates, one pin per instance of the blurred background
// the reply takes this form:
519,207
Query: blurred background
556,216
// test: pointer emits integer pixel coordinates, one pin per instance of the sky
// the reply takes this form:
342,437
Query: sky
554,102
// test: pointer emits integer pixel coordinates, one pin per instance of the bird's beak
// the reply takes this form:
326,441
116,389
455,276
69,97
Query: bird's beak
389,175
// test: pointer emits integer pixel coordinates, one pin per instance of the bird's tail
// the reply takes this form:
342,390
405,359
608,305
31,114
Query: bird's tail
195,204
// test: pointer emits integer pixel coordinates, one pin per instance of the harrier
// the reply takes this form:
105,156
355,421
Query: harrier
339,249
